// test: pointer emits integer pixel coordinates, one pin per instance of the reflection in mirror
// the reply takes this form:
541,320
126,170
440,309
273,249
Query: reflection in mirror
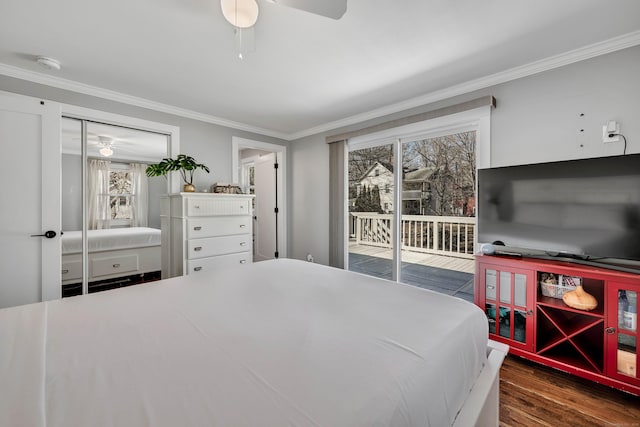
122,206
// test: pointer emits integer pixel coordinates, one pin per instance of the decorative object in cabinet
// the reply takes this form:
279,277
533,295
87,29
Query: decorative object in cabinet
208,231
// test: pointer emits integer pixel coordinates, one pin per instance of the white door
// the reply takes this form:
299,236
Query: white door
266,217
30,194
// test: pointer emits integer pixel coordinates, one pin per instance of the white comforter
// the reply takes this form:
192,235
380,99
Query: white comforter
110,239
278,343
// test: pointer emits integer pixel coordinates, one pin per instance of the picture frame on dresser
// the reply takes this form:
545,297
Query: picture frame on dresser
205,231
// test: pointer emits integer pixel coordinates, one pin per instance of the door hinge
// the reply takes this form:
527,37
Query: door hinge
275,166
276,210
276,254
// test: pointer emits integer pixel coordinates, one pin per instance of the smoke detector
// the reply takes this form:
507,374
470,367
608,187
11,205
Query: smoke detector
48,63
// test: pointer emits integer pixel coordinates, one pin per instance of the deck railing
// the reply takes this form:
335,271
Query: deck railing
442,235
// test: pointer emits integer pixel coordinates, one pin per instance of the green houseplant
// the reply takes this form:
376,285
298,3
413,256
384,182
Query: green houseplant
186,165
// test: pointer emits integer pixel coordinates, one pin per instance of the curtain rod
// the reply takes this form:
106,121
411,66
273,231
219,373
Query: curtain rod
445,111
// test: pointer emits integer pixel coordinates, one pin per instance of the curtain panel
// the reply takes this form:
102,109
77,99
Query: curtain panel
139,195
98,194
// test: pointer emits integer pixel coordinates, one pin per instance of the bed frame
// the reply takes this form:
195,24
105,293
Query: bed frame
482,407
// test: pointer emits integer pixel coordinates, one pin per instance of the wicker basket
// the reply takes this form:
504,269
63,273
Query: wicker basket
557,290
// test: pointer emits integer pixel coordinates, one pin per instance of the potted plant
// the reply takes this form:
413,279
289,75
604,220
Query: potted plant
186,165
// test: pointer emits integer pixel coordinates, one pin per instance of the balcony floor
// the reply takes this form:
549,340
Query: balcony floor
447,275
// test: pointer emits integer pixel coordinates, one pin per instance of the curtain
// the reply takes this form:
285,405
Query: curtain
98,194
139,195
336,203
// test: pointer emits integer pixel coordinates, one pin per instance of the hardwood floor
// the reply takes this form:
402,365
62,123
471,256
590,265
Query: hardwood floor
536,395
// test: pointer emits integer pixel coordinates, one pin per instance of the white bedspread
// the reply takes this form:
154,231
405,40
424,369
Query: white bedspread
278,343
110,239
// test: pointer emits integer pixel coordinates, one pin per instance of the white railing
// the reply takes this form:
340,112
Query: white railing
442,235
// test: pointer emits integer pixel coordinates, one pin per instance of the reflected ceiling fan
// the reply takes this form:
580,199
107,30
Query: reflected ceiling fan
104,144
244,13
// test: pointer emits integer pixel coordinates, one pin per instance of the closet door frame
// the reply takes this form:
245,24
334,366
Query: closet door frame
91,115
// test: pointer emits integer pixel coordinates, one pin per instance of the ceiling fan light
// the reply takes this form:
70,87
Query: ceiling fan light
240,13
106,151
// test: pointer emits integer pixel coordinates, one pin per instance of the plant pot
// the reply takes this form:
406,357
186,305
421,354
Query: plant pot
189,188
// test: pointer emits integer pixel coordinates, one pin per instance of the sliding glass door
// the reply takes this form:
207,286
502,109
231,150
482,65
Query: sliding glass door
412,210
371,210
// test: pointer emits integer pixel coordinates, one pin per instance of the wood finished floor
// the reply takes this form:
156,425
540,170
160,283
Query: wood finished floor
535,395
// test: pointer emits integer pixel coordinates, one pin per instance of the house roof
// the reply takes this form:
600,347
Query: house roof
302,74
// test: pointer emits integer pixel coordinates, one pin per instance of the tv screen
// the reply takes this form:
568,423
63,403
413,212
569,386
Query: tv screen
587,209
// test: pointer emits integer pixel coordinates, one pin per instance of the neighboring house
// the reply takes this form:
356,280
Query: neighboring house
381,176
424,192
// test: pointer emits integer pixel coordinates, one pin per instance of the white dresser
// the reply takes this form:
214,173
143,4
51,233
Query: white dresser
206,231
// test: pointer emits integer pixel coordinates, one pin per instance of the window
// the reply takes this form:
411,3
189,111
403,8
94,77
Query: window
387,189
377,172
120,194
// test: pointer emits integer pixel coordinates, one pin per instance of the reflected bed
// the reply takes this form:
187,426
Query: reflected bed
113,253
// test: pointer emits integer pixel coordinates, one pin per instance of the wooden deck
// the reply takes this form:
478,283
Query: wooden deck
448,275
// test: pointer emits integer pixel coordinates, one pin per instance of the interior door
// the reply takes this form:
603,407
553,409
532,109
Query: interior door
30,176
266,216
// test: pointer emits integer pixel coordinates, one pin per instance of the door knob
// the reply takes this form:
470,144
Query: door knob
50,234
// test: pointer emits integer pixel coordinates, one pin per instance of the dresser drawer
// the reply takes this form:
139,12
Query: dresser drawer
213,263
71,270
212,206
114,265
212,246
218,226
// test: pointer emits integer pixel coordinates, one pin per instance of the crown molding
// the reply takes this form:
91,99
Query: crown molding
556,61
111,95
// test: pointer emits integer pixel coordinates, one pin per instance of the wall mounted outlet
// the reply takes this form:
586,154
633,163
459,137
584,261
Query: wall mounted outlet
309,257
612,127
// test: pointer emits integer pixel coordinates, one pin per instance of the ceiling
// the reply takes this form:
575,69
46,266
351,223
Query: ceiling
307,73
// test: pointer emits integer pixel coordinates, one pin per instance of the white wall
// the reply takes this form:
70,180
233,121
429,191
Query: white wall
537,119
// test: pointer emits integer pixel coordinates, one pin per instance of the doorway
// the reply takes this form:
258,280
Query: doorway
259,168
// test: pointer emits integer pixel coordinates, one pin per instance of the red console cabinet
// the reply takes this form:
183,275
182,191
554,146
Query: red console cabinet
522,298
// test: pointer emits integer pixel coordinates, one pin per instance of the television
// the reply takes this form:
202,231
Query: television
587,209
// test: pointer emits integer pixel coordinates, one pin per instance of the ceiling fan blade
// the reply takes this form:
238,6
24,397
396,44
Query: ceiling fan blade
329,8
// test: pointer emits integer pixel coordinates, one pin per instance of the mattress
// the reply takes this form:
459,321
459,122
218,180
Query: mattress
110,239
276,343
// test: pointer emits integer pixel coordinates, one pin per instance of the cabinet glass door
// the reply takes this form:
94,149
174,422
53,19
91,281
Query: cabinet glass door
627,354
508,305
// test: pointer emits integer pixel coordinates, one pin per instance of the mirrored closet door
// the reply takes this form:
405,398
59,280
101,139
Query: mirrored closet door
110,208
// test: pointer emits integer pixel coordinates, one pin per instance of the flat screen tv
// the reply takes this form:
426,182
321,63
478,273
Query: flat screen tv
585,209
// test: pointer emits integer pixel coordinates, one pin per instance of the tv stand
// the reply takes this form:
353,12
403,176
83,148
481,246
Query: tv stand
527,312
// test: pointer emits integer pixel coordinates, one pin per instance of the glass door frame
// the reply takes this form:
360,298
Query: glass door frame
85,115
478,120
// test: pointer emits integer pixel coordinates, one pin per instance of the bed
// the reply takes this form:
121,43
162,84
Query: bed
113,253
275,343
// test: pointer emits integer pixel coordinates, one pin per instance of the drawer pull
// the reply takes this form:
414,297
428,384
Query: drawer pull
196,206
197,268
243,243
241,207
243,225
65,271
197,248
243,261
197,228
116,265
491,287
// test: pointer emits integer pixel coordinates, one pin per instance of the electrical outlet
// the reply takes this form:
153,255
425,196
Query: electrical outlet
608,129
309,257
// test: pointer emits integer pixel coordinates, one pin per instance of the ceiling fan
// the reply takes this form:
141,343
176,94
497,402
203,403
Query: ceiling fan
244,13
